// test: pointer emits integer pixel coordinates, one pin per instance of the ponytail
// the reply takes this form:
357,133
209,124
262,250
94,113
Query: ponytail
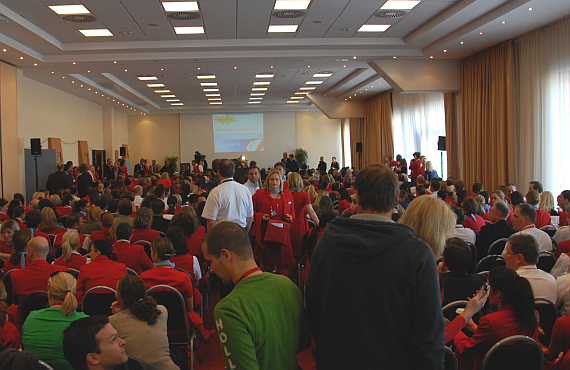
146,310
62,287
110,234
70,241
132,289
69,304
66,250
3,313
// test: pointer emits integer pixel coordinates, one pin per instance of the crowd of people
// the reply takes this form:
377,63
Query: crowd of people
366,243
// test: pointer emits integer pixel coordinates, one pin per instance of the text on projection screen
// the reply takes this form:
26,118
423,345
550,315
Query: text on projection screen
238,132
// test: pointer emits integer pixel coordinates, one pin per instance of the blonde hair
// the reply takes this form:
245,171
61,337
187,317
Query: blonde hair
312,193
34,204
62,287
3,293
164,175
294,181
273,172
432,219
94,214
546,201
55,199
178,198
143,218
322,193
49,221
429,166
107,220
38,195
70,241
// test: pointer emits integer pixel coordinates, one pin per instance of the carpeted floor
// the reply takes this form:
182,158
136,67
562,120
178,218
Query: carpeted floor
212,357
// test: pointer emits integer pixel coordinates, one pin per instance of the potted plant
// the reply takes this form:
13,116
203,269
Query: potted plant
301,157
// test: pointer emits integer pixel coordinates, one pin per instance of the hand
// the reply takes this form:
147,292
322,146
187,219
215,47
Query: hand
288,218
475,305
266,217
115,308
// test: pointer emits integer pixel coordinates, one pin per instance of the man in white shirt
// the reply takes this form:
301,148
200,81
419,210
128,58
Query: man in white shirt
433,188
524,218
461,232
522,256
138,190
252,183
197,168
229,201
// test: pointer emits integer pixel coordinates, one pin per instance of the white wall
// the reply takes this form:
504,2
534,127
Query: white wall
196,134
319,136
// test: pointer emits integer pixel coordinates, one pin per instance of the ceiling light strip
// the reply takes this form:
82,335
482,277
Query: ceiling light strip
116,95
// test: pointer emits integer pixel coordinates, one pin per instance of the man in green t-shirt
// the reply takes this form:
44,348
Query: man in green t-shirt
259,323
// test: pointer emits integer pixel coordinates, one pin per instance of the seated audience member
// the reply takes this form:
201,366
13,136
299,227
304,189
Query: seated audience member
74,222
420,190
141,323
536,186
547,203
70,257
499,197
194,232
9,334
103,270
461,232
522,256
477,188
141,226
93,343
125,209
93,222
493,232
458,284
42,332
434,186
33,277
523,222
559,342
542,217
159,223
563,200
182,257
3,209
33,219
133,256
48,224
563,288
66,206
164,274
18,257
516,316
471,209
8,229
107,230
138,191
516,199
164,180
19,215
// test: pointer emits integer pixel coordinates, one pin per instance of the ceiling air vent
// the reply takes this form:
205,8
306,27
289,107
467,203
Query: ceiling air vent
390,14
79,18
183,16
288,14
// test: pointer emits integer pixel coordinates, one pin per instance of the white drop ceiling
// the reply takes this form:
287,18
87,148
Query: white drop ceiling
236,45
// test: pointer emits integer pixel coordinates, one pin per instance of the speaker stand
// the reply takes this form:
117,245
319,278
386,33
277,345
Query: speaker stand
441,165
36,161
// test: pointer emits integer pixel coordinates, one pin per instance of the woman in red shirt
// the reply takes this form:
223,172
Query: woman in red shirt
18,258
473,219
8,229
302,204
3,209
69,256
164,180
107,230
49,222
193,231
141,226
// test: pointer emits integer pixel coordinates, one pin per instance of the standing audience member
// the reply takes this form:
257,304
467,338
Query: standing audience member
302,205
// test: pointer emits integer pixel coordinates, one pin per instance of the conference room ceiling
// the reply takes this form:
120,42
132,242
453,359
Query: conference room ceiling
235,46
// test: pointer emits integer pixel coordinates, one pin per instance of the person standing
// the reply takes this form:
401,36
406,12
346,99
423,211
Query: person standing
369,259
322,166
252,183
58,180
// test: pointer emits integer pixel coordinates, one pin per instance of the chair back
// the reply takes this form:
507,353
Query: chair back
132,272
473,261
162,234
514,353
73,272
546,261
32,302
548,314
7,280
450,309
497,246
177,323
146,245
490,262
549,229
450,360
98,300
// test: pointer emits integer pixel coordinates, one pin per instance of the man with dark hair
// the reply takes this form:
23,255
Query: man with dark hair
292,166
229,201
109,170
74,222
459,285
522,256
140,168
536,186
499,229
260,321
461,232
282,168
215,180
58,180
159,223
477,188
433,188
66,205
563,202
125,210
510,189
524,218
84,181
334,164
252,183
397,323
322,166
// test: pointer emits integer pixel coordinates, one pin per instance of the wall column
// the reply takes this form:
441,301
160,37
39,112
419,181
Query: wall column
12,150
109,132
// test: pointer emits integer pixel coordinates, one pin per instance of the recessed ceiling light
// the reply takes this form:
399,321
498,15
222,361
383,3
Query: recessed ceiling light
292,101
69,9
322,74
114,62
399,5
461,42
257,94
161,91
176,103
503,22
208,84
307,88
297,97
254,102
169,100
74,63
291,4
313,82
188,30
21,58
301,93
168,96
215,102
261,83
147,78
182,6
394,57
96,32
214,99
259,89
205,76
264,75
210,90
35,64
253,98
480,33
445,50
374,28
431,57
530,9
212,94
288,28
155,85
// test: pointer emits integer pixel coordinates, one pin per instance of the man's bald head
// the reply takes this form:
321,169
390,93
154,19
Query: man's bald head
39,247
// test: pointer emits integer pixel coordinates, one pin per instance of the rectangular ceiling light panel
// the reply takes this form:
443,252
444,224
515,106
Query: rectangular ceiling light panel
374,28
205,77
188,30
288,28
180,6
313,82
400,5
316,75
96,32
208,84
291,4
69,9
155,85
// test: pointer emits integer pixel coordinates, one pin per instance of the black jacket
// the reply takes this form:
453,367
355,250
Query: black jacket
58,180
491,233
459,285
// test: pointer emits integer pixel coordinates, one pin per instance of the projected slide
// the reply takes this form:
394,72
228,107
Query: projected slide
238,132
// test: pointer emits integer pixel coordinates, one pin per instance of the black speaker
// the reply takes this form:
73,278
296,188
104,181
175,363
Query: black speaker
359,147
122,151
441,143
36,145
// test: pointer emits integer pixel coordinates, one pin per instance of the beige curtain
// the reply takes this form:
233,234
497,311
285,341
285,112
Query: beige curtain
355,137
378,140
451,134
487,141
